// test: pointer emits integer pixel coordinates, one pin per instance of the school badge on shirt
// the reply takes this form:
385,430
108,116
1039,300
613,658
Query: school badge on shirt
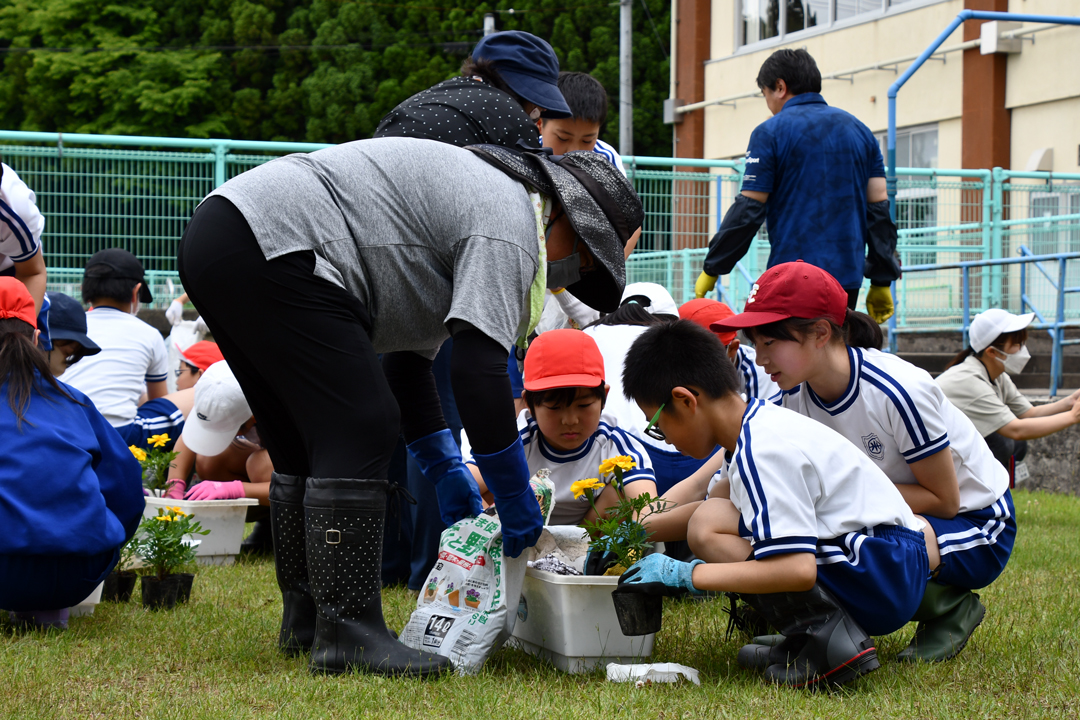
874,447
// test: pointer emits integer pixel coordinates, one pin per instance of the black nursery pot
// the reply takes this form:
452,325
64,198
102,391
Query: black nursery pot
118,586
158,594
183,585
638,613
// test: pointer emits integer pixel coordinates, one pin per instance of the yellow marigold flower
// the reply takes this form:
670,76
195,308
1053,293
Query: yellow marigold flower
158,440
623,462
582,486
177,510
164,518
138,452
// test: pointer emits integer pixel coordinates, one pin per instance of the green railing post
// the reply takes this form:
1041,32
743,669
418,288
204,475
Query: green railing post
988,296
996,245
220,151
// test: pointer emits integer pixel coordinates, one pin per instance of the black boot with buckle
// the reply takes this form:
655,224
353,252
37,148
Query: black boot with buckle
290,562
344,520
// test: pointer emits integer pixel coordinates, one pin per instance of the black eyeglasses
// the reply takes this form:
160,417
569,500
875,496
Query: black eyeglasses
652,429
184,366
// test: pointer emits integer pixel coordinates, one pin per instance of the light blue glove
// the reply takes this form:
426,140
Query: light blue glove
661,575
439,458
507,476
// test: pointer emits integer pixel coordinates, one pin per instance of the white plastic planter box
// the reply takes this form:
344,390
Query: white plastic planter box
86,607
223,518
570,620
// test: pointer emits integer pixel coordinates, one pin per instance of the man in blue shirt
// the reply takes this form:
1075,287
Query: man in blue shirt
814,173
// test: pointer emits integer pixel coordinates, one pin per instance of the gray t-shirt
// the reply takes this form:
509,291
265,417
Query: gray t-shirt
990,405
420,231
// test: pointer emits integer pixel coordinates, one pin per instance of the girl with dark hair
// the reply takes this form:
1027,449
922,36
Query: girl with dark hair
977,382
825,359
64,520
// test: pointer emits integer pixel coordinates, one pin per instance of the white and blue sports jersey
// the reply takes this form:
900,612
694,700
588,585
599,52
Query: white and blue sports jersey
756,381
20,221
568,467
796,482
896,414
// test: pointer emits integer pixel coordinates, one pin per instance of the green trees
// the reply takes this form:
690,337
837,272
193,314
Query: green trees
314,70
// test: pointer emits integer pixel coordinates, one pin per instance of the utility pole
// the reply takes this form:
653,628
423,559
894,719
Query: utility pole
489,23
626,78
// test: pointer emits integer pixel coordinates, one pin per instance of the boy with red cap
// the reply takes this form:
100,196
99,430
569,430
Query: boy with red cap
564,428
814,536
195,360
705,312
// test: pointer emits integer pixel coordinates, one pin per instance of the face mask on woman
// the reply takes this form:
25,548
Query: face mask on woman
1014,362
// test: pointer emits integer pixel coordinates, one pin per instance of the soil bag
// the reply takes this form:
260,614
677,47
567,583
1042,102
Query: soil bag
468,606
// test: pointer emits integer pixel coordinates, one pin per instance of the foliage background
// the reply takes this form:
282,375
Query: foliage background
302,70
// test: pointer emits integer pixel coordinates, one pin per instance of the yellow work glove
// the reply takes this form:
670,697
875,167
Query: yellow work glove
879,304
704,284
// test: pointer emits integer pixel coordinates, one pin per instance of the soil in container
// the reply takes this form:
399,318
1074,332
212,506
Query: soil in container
638,613
119,586
158,594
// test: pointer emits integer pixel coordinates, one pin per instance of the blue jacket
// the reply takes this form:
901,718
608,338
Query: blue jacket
68,483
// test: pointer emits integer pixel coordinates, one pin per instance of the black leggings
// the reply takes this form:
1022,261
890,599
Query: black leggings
1005,448
299,346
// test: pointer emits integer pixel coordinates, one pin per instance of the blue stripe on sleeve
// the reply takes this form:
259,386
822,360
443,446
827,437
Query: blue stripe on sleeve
18,228
895,391
748,471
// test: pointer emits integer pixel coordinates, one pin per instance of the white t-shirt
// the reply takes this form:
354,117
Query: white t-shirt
568,467
896,414
756,381
20,221
132,354
796,482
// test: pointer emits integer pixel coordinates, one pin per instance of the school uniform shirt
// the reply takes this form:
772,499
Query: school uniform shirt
417,255
69,484
21,223
567,468
897,415
990,405
132,354
796,482
461,111
756,382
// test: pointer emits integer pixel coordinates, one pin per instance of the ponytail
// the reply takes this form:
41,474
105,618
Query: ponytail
861,331
22,365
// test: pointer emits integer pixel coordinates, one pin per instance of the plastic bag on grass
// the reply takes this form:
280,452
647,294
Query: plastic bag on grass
468,606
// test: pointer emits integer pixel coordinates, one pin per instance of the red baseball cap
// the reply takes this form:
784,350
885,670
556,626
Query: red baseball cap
790,290
706,311
15,301
202,354
563,358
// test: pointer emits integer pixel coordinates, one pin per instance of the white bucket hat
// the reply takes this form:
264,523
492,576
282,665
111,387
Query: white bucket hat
987,326
219,410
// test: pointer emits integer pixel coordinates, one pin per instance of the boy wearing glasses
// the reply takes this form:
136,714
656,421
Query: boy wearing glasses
814,536
564,429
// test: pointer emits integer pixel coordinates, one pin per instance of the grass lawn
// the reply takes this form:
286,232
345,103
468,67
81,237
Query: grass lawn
216,658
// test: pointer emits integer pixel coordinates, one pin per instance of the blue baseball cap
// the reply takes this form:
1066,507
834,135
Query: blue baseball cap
529,66
67,321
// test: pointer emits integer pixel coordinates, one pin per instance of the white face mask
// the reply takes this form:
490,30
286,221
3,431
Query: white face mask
1014,362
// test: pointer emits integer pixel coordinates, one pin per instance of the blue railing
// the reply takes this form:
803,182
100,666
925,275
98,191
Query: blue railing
1055,328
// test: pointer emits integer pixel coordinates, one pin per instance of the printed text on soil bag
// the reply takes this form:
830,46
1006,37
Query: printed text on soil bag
437,628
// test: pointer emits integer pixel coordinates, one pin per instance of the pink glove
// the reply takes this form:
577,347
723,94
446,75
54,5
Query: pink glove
210,490
176,490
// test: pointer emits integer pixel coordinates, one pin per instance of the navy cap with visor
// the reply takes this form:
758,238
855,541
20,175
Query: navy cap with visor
529,66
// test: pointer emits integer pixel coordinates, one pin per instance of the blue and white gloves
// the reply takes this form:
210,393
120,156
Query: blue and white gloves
660,575
506,474
439,458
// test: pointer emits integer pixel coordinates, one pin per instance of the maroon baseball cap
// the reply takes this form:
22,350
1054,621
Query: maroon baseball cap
790,290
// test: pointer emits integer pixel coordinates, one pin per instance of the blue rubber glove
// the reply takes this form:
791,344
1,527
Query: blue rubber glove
507,476
660,575
439,458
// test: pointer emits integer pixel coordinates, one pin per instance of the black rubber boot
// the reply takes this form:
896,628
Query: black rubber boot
260,541
766,650
290,561
947,615
823,644
344,521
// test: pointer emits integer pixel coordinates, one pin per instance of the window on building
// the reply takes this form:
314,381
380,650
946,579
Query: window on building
1050,238
764,19
916,195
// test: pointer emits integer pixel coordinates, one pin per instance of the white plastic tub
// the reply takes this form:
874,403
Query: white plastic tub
86,607
570,620
223,518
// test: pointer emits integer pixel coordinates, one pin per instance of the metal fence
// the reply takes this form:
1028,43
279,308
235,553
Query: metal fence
138,192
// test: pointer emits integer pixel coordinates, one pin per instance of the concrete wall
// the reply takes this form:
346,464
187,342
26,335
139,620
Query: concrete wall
1054,462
